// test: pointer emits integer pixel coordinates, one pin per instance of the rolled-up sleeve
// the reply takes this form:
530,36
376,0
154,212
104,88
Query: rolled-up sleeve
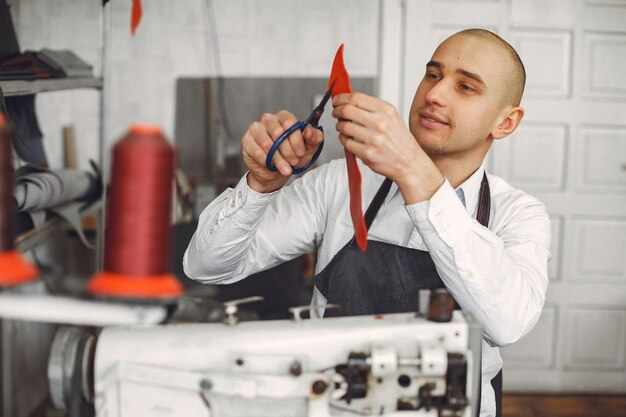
500,276
243,232
225,226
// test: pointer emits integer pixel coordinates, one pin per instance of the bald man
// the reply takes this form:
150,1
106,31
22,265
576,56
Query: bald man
439,220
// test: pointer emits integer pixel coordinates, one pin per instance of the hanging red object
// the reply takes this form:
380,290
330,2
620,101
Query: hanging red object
14,269
135,16
137,246
340,76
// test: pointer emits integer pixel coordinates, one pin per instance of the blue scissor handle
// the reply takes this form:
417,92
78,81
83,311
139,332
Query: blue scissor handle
297,126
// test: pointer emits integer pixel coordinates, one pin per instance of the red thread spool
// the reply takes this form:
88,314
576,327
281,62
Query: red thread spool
14,269
137,248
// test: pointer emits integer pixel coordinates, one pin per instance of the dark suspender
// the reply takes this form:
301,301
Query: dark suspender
377,202
484,205
375,205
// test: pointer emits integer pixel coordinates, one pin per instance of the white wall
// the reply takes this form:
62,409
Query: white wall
256,38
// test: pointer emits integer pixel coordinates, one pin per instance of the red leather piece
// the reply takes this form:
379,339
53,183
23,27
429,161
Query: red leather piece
340,76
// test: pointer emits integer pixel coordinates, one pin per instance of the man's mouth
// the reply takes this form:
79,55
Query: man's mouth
431,120
432,117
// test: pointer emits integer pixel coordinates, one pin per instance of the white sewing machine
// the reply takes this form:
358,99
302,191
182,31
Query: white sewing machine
392,365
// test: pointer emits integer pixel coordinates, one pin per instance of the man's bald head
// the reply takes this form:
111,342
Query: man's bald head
516,74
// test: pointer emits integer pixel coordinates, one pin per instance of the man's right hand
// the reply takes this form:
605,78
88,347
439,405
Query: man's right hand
294,152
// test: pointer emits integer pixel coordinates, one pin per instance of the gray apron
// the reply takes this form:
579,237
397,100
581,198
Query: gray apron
387,278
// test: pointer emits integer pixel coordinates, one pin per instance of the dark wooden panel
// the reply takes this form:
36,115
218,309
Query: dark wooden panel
563,406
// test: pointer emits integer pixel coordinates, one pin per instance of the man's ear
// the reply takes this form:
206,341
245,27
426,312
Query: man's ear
507,122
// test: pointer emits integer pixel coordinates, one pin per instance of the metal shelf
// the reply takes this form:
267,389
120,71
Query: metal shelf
28,87
28,240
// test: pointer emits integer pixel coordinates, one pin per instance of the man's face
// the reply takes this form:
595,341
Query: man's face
460,97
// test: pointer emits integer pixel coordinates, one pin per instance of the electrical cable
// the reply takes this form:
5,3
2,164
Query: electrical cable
215,49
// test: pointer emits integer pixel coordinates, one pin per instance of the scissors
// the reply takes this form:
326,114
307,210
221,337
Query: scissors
312,120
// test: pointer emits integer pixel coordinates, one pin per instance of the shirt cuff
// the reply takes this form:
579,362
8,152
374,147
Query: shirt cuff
246,205
444,215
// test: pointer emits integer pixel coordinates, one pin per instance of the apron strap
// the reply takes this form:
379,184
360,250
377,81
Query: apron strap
375,205
484,202
377,202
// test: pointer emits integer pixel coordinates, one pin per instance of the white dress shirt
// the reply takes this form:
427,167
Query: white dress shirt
498,274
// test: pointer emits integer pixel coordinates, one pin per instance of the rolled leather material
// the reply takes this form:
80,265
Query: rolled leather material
62,192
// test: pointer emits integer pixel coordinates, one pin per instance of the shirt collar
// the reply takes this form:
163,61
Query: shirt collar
467,192
471,188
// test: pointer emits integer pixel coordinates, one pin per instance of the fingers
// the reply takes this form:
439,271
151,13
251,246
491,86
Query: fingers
369,155
258,137
295,151
362,101
354,146
355,131
313,137
295,139
251,149
363,109
365,118
276,125
355,114
261,136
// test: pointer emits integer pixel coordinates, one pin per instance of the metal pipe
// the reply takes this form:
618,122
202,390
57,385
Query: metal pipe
51,309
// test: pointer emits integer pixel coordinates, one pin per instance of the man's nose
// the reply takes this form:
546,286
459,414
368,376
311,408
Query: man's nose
438,94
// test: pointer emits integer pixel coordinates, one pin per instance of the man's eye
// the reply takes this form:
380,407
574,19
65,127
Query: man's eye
466,88
432,76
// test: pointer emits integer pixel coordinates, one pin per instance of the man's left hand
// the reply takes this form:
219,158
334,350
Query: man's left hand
373,130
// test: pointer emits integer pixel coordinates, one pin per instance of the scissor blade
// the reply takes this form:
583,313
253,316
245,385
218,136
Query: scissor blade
327,95
316,114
